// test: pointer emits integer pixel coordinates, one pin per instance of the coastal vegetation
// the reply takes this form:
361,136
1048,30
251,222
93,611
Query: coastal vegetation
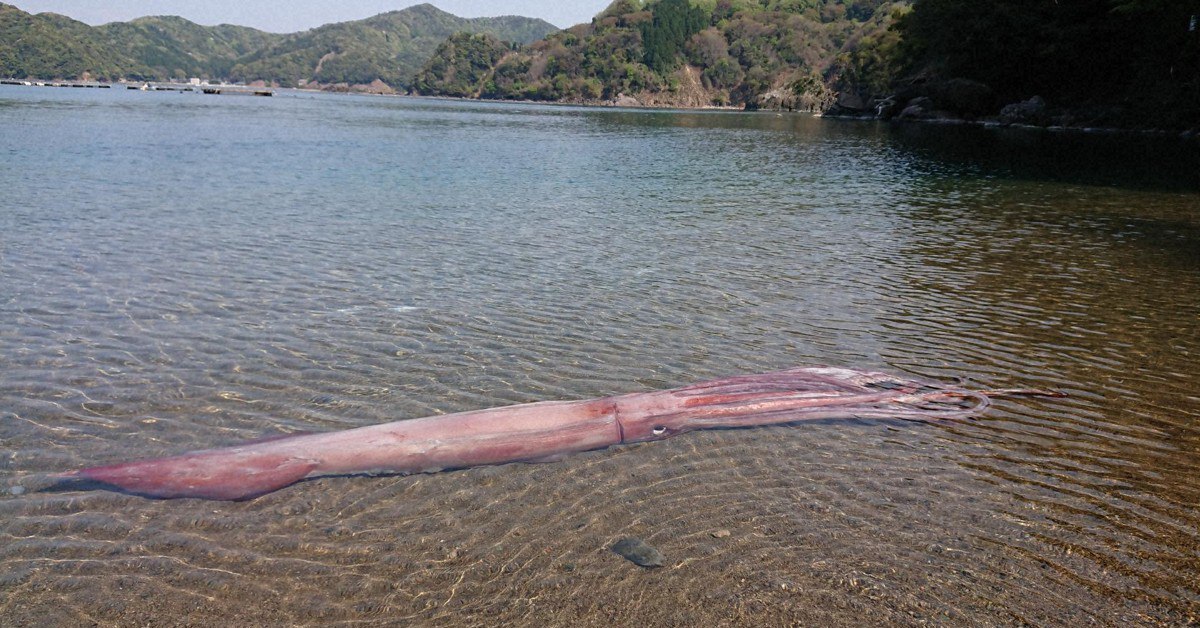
745,53
1072,62
1126,63
461,66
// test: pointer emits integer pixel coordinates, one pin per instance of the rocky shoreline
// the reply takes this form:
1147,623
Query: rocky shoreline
961,101
957,101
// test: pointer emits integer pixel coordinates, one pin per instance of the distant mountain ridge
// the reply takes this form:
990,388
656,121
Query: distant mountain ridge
169,46
55,46
390,47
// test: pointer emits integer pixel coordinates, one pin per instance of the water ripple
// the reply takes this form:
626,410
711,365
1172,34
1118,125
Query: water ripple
423,257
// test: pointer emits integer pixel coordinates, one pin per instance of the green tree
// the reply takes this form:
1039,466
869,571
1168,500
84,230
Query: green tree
461,66
663,38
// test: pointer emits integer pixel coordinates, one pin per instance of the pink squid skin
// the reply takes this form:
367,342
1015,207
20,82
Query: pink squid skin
427,445
533,432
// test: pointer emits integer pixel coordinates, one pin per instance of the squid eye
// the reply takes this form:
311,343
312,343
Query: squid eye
660,430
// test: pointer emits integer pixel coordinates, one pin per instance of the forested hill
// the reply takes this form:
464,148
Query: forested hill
52,46
390,47
753,53
1123,63
166,46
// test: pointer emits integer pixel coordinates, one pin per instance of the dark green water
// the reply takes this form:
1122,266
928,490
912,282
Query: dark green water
180,271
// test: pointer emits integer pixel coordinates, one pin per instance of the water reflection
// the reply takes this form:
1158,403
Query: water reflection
1089,289
1130,160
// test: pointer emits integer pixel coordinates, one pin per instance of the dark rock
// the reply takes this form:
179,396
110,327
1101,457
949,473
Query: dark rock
927,98
1032,111
851,101
889,107
919,108
638,552
623,100
963,97
917,105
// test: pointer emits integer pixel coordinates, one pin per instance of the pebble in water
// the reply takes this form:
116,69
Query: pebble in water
638,552
17,490
322,400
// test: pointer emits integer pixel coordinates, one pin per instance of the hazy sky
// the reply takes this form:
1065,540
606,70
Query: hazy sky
285,16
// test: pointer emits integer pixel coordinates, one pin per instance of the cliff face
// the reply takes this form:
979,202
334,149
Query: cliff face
740,53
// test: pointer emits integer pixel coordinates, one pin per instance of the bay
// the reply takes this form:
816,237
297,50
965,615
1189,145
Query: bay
180,271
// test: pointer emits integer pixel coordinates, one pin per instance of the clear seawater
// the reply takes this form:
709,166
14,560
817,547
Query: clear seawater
180,271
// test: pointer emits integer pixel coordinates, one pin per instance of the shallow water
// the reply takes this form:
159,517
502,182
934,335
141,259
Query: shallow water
180,271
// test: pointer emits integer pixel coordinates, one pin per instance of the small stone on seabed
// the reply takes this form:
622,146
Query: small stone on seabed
720,534
638,552
17,490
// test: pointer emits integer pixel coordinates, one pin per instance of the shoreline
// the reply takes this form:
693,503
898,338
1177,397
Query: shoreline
1187,135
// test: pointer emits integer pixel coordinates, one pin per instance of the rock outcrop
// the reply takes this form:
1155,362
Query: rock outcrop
1032,111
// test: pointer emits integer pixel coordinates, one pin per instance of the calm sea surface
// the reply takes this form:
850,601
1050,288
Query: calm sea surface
181,271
